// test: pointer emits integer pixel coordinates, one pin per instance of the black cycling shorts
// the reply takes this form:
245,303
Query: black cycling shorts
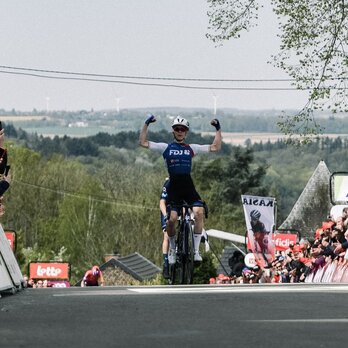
181,188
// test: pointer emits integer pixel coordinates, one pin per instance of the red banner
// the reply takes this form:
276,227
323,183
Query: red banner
11,237
49,270
281,241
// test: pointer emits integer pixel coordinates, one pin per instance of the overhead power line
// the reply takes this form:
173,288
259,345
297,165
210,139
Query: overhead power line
142,77
86,197
151,84
127,79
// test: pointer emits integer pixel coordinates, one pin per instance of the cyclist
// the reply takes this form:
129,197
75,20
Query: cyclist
178,157
164,217
93,277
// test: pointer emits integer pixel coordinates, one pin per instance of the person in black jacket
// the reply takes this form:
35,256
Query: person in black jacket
5,175
236,263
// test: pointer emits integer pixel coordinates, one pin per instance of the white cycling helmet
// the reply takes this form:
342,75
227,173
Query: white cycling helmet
255,214
180,121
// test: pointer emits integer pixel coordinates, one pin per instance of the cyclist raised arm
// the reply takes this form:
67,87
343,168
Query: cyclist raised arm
216,145
143,134
178,157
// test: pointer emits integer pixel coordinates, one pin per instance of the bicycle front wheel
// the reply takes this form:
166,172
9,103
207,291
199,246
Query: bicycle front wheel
177,270
188,266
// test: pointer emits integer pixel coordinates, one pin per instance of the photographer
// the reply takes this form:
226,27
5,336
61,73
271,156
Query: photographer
236,263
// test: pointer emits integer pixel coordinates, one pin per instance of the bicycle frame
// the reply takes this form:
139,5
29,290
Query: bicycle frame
182,270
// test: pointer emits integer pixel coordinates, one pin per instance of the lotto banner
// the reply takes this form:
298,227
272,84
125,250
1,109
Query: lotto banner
259,218
49,270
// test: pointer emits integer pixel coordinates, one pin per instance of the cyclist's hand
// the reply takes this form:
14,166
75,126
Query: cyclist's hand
164,222
215,123
150,119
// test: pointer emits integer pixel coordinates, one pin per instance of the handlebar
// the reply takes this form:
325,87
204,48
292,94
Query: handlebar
185,205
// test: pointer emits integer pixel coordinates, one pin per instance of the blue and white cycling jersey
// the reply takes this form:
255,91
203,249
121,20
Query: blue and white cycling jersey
178,157
164,193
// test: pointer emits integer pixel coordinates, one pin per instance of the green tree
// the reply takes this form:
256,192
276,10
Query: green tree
221,183
314,40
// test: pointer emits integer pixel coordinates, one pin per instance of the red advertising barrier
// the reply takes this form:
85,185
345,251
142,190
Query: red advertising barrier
281,241
49,270
59,284
331,272
11,237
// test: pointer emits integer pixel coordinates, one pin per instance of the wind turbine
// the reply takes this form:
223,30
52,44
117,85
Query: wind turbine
118,99
215,104
47,104
118,104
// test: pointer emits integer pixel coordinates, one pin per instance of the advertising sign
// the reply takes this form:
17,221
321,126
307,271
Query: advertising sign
339,188
259,218
5,279
249,260
59,284
11,237
10,260
49,270
281,241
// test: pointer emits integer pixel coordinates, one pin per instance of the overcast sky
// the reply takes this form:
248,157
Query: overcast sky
152,38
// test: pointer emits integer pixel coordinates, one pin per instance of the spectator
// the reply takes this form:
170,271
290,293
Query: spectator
25,281
342,248
93,277
345,218
246,273
5,183
31,283
5,174
236,263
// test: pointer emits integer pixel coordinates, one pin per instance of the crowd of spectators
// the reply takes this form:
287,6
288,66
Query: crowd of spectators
322,258
43,283
39,283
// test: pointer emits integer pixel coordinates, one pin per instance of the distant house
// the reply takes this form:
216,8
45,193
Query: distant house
128,270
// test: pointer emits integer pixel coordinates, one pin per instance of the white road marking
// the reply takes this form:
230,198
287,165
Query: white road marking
239,289
322,320
209,289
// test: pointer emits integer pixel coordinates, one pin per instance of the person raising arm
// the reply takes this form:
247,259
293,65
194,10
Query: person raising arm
178,158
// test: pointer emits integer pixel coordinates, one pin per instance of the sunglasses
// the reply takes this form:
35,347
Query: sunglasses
179,129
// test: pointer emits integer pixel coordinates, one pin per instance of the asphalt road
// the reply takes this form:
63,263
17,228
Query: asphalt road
279,315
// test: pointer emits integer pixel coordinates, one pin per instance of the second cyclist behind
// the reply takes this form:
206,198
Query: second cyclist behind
164,216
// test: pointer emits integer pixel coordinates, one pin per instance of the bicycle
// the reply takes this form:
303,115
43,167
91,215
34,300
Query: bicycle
182,271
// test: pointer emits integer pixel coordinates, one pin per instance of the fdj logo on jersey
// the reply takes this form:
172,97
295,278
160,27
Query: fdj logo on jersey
179,152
